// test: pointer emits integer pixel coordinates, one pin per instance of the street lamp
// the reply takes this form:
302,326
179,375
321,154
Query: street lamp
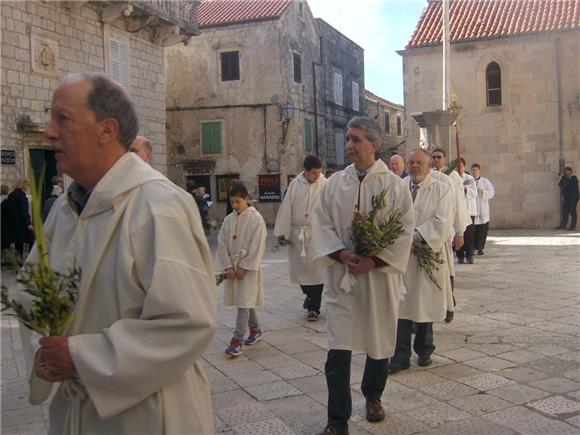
286,113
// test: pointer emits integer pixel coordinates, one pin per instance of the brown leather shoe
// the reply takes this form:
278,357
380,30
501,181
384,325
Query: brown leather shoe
331,429
375,411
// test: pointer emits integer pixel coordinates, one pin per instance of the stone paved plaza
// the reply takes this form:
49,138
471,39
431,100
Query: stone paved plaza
509,363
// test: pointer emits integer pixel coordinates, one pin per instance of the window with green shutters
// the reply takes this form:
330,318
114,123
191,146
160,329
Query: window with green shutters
211,137
307,135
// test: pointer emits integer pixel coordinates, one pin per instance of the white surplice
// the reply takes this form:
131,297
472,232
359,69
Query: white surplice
482,211
294,222
469,193
364,319
241,243
146,310
433,206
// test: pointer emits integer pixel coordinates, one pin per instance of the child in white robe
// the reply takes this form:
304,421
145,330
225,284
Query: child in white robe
241,246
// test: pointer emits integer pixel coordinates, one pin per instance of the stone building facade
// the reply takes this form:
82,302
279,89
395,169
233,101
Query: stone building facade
519,89
230,94
341,91
41,41
391,119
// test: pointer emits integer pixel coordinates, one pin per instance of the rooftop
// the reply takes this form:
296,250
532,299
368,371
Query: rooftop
472,20
215,13
376,99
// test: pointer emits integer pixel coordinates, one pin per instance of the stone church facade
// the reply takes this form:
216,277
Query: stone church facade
519,87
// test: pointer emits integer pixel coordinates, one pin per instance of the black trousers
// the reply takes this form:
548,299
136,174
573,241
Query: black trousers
569,208
314,293
423,344
480,236
467,249
337,370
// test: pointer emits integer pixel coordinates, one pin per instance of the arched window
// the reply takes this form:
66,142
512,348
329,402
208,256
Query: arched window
493,84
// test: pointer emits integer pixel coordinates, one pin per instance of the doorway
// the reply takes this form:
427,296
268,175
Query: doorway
38,158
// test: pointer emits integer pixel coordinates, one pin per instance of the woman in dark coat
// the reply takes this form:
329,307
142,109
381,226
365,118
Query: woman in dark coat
16,223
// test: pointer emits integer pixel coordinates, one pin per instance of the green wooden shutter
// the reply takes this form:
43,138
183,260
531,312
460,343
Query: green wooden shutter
308,135
212,137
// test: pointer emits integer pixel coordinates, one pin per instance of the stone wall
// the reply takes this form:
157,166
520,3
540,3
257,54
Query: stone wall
73,41
249,108
338,54
516,143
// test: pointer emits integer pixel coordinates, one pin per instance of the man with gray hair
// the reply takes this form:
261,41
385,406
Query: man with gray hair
362,299
142,147
426,299
129,361
397,165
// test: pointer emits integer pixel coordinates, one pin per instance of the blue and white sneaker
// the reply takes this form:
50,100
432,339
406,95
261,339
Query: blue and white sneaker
255,336
235,348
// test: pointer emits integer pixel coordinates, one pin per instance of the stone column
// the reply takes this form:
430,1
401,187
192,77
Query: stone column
435,128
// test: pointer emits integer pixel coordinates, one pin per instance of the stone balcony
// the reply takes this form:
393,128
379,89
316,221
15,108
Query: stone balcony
166,22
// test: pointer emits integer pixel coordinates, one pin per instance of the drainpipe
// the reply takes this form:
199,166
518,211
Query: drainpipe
315,91
562,161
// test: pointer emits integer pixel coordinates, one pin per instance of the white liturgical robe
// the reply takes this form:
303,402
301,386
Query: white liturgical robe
146,310
433,205
294,222
241,243
364,319
482,212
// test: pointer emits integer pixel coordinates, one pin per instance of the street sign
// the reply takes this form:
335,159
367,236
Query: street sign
269,187
8,157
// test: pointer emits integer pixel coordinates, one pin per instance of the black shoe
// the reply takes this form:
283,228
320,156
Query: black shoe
571,229
470,260
424,360
449,316
561,227
312,316
396,366
460,260
331,429
306,303
480,252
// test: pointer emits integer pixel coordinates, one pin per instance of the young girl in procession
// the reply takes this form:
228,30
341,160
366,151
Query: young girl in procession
241,246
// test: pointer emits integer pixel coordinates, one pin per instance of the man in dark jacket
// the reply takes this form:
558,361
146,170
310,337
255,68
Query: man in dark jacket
569,188
16,219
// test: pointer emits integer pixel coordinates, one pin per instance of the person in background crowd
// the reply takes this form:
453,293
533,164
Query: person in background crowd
129,361
142,147
241,246
198,193
397,165
293,224
461,219
54,194
361,316
4,192
329,173
569,186
485,192
18,229
470,195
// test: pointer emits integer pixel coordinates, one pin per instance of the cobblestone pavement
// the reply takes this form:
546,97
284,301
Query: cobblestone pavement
509,363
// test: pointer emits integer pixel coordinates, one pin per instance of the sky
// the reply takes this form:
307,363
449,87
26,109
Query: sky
380,27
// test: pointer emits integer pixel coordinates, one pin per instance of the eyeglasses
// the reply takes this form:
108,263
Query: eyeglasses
436,157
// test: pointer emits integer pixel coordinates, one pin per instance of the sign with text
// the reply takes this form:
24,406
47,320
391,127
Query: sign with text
269,187
8,157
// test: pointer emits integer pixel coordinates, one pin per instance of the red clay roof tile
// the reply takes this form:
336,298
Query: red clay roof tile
471,20
213,13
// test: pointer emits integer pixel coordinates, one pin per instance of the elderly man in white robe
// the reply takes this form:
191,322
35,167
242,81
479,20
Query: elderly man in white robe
146,312
293,224
425,301
460,220
362,315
